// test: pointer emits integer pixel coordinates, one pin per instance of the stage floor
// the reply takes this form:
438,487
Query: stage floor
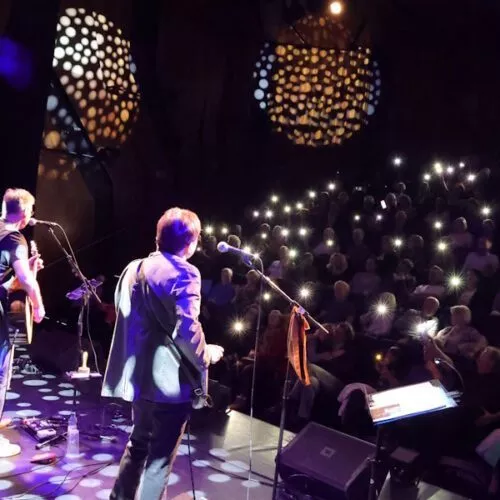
219,448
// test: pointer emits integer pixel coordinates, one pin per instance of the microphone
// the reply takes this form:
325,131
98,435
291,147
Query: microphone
36,222
223,247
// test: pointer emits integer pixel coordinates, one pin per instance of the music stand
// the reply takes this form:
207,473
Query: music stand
400,404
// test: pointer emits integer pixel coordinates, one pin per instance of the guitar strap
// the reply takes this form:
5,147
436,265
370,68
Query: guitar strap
200,398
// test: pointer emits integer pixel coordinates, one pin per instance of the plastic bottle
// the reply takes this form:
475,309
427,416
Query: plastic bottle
73,438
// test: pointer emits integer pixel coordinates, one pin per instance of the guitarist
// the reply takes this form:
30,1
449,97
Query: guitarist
158,303
17,209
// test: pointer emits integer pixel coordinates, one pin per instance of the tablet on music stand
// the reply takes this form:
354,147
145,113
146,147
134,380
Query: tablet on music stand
408,401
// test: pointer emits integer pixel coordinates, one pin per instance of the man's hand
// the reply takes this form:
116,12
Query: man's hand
215,353
38,314
35,263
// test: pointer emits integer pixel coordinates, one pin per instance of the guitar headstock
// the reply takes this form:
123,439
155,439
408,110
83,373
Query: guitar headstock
33,248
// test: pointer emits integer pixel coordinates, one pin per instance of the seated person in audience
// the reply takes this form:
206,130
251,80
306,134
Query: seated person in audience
271,364
482,392
247,294
387,261
471,284
481,258
366,283
358,251
440,213
305,270
415,251
332,351
338,267
339,309
280,268
327,354
229,259
378,321
400,222
392,369
460,339
459,237
419,322
434,287
224,292
403,281
328,244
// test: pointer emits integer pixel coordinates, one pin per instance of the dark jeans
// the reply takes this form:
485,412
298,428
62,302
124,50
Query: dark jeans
150,452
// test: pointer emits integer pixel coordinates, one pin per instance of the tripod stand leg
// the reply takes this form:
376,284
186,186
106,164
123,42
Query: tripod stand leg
284,400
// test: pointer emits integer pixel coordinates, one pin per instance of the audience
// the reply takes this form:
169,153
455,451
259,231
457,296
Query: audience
398,297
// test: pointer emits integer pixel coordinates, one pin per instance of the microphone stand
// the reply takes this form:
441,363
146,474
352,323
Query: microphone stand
88,291
249,261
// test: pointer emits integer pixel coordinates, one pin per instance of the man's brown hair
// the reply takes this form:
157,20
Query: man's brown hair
176,229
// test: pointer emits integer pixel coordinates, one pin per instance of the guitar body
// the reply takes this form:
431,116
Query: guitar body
28,305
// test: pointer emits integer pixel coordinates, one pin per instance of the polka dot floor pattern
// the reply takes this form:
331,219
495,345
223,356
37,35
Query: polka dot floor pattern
219,448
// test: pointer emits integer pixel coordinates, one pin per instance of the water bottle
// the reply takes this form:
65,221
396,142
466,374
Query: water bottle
72,438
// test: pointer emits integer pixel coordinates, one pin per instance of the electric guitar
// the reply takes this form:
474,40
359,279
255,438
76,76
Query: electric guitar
29,306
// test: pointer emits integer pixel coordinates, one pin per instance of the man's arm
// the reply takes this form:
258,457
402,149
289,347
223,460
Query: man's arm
190,332
28,282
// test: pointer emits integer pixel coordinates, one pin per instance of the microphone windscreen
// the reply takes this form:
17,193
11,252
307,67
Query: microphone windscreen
222,247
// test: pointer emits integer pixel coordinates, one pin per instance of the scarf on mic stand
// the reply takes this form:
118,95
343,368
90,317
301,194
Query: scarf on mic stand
297,352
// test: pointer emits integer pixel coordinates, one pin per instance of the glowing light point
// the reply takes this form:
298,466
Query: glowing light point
397,161
442,247
455,281
274,198
438,225
336,8
450,170
238,327
471,177
312,194
269,214
427,177
461,165
381,309
329,243
379,217
299,205
302,231
304,293
263,236
266,296
209,229
357,217
486,211
438,168
224,230
398,242
293,253
255,214
287,209
331,186
285,232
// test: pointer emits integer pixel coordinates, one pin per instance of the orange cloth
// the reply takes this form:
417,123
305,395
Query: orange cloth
297,352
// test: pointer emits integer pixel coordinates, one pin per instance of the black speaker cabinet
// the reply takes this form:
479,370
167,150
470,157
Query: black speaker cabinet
327,464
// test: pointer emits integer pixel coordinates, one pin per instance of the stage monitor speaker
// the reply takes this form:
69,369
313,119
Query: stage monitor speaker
56,351
327,464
